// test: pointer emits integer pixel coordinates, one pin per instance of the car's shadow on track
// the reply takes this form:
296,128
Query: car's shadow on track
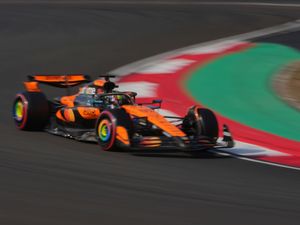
203,154
168,153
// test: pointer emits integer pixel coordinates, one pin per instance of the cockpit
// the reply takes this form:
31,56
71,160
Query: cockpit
109,100
112,100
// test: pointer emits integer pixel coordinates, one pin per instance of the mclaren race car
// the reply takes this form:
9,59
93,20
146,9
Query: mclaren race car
99,112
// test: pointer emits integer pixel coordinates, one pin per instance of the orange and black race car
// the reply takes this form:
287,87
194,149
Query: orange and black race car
100,113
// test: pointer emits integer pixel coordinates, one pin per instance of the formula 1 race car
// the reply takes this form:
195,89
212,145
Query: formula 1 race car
100,113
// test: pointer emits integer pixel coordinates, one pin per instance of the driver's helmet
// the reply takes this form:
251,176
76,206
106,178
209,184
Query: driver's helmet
112,101
122,100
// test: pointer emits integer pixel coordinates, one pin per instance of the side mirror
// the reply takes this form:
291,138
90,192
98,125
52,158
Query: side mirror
156,101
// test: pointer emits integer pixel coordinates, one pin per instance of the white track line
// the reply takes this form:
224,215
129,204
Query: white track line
187,3
219,152
139,65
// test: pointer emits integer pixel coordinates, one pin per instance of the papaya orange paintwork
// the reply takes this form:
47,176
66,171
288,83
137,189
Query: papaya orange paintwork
68,100
98,105
59,115
151,141
155,118
122,135
88,112
59,78
151,146
32,86
99,83
69,115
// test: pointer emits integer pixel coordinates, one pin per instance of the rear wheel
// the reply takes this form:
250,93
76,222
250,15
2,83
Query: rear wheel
201,122
31,111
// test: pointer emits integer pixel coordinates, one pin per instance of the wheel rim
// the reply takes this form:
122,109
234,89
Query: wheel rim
104,130
19,110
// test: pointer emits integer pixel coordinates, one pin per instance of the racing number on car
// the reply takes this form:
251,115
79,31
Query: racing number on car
89,113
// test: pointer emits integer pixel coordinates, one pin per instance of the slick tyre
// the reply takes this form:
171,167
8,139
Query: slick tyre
107,126
201,122
31,111
209,123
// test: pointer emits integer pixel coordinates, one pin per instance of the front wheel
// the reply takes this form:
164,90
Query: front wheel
114,129
201,122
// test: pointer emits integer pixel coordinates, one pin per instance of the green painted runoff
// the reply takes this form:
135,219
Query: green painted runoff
239,86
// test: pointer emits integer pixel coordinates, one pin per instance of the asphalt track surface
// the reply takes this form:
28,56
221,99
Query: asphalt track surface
46,179
291,39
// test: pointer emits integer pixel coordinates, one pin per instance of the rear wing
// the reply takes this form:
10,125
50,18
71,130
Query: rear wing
61,81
